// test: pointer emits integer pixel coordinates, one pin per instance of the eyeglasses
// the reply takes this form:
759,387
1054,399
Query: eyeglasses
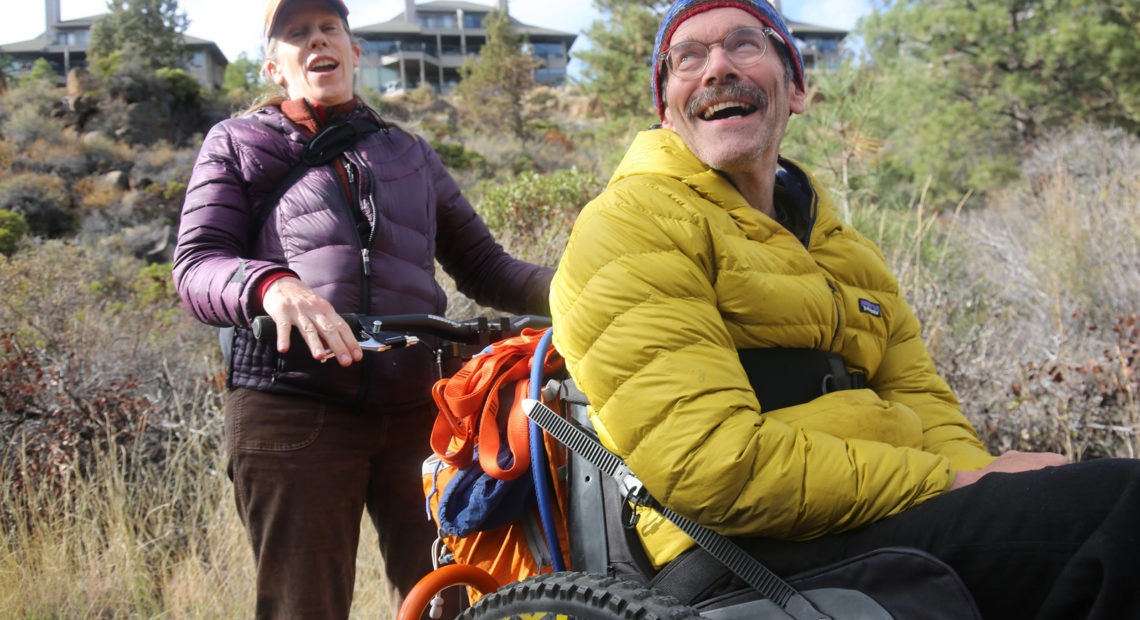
745,47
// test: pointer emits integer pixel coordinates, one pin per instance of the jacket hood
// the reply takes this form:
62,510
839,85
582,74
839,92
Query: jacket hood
662,152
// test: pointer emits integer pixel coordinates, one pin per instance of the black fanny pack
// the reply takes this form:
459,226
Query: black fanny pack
785,377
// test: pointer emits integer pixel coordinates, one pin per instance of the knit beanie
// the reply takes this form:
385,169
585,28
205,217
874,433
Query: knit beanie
684,9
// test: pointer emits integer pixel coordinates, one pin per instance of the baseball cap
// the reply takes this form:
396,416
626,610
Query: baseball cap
273,11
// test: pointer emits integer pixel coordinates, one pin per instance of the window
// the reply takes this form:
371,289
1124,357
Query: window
437,20
547,50
451,48
378,48
73,38
550,77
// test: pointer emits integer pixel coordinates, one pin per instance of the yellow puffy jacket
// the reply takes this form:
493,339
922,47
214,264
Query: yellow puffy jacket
665,276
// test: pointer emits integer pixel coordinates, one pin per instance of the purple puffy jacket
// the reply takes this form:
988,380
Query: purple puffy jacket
415,214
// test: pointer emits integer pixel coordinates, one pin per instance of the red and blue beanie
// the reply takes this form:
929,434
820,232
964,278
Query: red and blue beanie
684,9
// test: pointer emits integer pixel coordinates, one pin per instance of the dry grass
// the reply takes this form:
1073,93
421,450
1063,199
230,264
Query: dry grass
1030,304
122,547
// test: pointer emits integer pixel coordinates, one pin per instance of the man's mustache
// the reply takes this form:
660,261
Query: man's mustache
735,91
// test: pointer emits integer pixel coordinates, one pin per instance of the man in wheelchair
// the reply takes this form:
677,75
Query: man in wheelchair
753,361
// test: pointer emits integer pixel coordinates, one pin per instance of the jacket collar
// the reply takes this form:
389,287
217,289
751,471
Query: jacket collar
311,118
661,152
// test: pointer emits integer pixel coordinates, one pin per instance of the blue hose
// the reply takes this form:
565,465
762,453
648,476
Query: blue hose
538,465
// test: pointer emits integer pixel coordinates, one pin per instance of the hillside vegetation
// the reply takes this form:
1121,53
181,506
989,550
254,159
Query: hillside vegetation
1011,216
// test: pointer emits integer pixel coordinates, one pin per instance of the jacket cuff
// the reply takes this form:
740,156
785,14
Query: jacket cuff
263,285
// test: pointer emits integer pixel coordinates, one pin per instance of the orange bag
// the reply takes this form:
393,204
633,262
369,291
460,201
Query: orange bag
480,415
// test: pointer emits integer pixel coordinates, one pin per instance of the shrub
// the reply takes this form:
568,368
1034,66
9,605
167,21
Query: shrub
43,201
28,112
94,355
536,202
1024,309
1084,407
42,70
63,158
162,163
27,125
181,86
96,194
13,228
103,154
455,157
59,426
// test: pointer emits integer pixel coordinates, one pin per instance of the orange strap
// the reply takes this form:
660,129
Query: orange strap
472,401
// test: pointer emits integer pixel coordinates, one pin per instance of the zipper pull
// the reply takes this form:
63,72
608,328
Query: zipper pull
364,255
350,170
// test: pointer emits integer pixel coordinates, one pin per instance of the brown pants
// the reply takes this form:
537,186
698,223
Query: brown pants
303,472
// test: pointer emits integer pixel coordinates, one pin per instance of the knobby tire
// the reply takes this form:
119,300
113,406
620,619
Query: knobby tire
580,596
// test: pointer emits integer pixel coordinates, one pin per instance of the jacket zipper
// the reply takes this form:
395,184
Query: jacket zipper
357,200
838,315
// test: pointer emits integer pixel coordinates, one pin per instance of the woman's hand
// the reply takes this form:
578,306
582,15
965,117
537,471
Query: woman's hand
291,303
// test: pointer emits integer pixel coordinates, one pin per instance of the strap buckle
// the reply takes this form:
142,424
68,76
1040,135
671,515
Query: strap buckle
634,493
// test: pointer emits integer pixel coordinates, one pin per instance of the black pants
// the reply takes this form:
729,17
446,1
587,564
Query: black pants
1059,543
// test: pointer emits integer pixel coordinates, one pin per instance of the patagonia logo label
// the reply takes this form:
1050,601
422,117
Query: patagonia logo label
870,307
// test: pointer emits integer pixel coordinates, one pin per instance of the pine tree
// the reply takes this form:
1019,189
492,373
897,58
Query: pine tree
494,85
146,34
972,85
618,63
242,80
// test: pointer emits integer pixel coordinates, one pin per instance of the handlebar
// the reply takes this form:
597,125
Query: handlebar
374,332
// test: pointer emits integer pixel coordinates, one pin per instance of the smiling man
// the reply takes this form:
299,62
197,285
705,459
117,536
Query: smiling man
752,358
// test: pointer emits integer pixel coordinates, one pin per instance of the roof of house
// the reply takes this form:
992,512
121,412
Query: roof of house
40,44
400,25
800,27
449,6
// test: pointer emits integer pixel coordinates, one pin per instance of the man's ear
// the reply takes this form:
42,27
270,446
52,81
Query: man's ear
797,99
667,118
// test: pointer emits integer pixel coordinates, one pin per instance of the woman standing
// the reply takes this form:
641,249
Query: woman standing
312,445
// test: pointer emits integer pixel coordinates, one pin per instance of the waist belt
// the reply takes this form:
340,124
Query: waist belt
785,377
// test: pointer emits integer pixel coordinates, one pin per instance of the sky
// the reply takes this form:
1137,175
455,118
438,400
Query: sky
236,25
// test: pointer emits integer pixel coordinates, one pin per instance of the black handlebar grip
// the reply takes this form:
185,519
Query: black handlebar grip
264,328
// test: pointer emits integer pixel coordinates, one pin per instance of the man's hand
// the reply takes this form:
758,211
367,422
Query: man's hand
290,302
1010,462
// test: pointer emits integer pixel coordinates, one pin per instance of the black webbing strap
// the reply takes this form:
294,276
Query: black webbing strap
325,146
785,377
748,568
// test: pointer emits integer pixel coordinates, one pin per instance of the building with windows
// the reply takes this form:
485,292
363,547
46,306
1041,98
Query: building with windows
819,45
429,42
64,46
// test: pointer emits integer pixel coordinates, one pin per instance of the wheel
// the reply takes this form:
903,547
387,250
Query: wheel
571,595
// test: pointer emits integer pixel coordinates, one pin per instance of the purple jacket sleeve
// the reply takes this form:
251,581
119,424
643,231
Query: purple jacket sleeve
481,268
215,278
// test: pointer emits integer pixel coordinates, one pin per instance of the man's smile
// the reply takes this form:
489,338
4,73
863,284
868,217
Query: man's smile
722,102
